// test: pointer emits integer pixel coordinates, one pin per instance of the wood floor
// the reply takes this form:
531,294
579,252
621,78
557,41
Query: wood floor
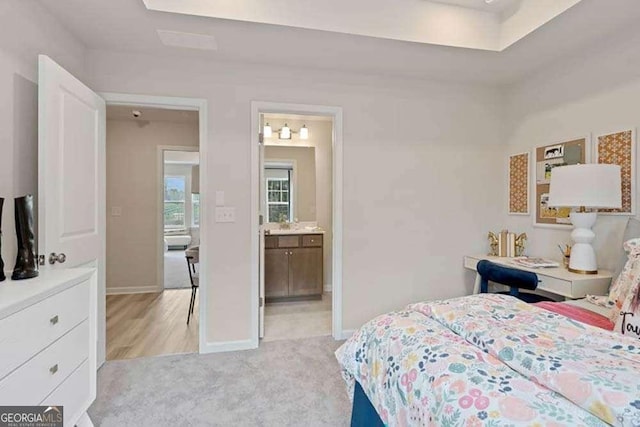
151,324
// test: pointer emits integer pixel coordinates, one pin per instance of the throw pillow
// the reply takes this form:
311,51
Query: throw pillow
626,282
631,231
628,322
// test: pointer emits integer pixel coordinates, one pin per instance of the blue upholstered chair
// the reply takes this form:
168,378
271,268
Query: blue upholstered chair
513,278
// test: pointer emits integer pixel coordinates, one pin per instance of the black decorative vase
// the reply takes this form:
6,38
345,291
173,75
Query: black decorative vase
2,276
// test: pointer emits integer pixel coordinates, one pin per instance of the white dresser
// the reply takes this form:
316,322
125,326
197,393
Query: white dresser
48,342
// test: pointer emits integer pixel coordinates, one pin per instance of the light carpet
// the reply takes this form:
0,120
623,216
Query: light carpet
283,383
176,275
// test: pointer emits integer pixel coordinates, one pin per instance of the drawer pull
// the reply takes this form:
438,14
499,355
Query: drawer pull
53,369
54,320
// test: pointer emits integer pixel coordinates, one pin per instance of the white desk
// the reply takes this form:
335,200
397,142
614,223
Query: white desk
558,281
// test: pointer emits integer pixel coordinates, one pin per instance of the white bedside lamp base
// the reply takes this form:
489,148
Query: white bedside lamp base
583,257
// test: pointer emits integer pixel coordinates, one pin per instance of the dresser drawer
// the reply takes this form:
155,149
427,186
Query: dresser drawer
312,240
34,380
270,242
288,241
74,394
28,331
554,285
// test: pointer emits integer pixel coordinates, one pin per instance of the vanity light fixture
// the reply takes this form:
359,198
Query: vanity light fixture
266,131
304,132
285,132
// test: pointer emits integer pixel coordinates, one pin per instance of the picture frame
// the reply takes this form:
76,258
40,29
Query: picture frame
519,184
546,157
619,148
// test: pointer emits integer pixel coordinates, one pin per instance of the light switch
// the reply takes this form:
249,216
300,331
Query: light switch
116,211
219,198
225,214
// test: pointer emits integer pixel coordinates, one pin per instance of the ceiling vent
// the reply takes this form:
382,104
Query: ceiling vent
187,40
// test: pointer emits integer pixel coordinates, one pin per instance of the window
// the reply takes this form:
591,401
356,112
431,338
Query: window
195,203
279,207
174,201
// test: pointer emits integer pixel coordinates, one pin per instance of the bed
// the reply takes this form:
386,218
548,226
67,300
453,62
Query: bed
492,360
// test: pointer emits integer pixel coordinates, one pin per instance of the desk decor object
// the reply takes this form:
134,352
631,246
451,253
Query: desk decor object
506,244
591,186
519,184
619,149
547,158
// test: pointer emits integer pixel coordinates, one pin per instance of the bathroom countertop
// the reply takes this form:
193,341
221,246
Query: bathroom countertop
304,230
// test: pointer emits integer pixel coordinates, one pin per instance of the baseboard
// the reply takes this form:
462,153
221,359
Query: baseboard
224,346
347,333
133,290
327,287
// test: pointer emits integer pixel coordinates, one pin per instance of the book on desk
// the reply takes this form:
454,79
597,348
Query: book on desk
534,262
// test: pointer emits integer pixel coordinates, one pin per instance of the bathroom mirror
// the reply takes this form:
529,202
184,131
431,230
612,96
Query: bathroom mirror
290,180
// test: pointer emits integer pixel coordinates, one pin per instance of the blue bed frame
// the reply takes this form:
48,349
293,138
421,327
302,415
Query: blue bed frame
363,414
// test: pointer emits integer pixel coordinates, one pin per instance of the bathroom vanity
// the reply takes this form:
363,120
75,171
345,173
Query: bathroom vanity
293,264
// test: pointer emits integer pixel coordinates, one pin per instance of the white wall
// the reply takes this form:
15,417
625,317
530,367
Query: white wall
596,93
132,170
405,229
26,31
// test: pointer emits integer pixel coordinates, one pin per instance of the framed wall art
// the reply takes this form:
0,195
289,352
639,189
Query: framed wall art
519,184
547,157
619,148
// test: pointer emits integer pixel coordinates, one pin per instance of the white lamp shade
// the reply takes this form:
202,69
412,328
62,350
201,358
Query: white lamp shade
285,132
195,179
266,131
590,185
304,132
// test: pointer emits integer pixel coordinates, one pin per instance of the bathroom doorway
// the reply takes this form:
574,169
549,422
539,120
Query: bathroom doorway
297,194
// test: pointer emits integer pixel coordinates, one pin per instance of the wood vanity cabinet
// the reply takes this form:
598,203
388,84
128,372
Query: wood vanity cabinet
293,265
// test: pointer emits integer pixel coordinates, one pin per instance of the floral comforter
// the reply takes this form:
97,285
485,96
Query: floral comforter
492,360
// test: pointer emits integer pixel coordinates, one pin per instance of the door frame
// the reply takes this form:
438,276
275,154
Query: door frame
262,107
192,104
161,149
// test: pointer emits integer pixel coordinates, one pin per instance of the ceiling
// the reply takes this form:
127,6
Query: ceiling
495,6
121,112
128,26
473,24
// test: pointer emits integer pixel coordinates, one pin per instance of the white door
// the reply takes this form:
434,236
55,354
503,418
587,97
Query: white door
71,177
263,216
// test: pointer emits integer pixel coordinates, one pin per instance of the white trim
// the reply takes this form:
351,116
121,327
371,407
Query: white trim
327,287
223,346
193,104
260,107
121,290
160,149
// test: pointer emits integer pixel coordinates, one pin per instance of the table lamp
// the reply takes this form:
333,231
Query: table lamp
589,186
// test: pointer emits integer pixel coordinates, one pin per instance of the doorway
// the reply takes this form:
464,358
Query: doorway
151,155
296,202
297,257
